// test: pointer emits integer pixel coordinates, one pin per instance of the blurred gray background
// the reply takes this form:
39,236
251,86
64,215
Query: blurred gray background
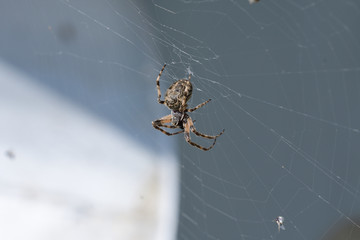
283,77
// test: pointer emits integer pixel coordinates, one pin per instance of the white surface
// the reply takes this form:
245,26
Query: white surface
73,175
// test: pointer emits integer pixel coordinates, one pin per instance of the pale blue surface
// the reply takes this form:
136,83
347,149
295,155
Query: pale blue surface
283,77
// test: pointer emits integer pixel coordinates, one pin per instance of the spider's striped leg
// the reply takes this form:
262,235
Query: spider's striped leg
158,85
168,126
187,128
192,128
198,106
161,123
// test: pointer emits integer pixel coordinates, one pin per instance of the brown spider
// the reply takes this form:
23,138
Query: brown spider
176,98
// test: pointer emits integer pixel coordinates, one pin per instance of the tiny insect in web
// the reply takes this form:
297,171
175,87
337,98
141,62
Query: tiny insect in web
280,222
176,98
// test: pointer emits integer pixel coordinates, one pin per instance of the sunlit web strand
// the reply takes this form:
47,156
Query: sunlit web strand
355,130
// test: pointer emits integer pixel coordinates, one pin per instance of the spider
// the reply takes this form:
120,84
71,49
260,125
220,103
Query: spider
176,97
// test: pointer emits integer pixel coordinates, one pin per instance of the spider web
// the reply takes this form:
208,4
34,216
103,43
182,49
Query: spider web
283,79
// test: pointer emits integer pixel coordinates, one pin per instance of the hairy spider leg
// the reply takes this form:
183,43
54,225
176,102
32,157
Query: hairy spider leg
198,106
158,85
193,129
161,123
189,125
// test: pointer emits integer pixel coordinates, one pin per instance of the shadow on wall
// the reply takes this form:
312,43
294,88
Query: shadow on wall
345,230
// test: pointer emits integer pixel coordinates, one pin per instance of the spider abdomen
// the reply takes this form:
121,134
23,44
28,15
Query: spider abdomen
178,94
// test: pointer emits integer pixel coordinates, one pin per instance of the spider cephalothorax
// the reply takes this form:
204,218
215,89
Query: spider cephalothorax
177,118
176,98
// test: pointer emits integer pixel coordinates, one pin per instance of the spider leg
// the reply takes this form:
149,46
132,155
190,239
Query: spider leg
158,85
198,106
187,127
168,126
165,132
161,123
192,128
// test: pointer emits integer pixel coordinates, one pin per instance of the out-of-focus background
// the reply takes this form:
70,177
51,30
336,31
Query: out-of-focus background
79,158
